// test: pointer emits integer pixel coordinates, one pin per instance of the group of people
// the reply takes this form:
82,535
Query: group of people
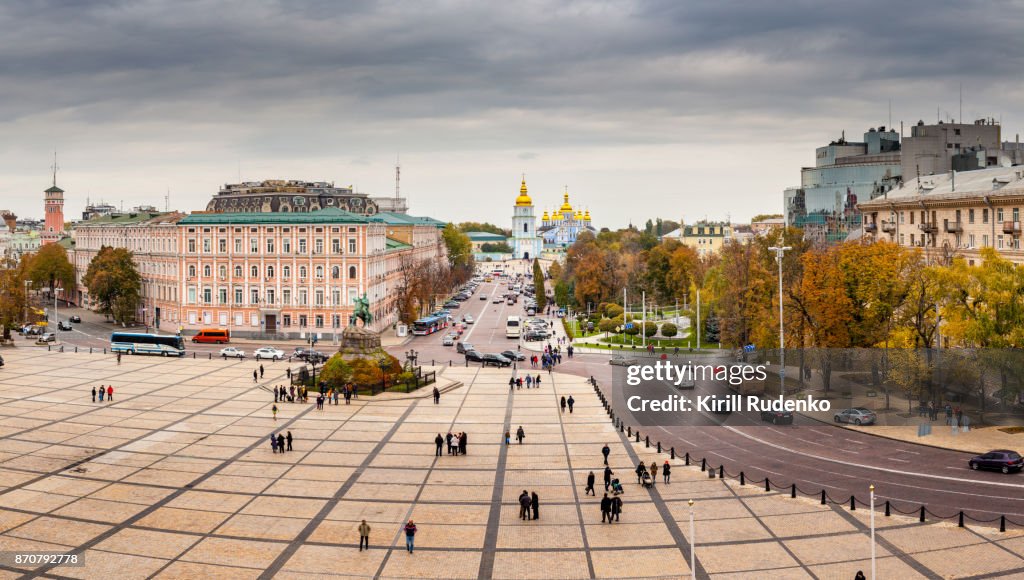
954,415
107,391
280,443
456,443
257,374
290,394
518,382
409,529
568,403
649,475
529,502
520,435
332,395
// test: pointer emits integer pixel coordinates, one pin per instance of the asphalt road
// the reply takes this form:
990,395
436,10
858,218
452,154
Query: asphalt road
809,453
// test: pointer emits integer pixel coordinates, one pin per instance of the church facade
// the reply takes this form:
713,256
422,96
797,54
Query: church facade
560,228
526,245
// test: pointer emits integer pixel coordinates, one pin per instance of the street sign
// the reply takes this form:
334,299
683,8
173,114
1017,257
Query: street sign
629,326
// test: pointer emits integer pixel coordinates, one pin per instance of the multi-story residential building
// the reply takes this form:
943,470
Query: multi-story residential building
705,237
954,214
825,203
930,149
767,226
280,274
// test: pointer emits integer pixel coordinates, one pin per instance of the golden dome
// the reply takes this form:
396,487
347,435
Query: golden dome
523,199
586,216
545,216
556,217
565,204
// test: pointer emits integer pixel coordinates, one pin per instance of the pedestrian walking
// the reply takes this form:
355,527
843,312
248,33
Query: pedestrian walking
563,404
94,394
277,395
520,434
536,382
410,533
449,439
535,505
118,359
103,392
654,472
616,508
606,509
860,575
289,440
590,485
605,451
438,442
254,379
508,438
280,442
666,471
462,443
607,477
640,471
364,535
273,443
511,383
529,381
274,411
288,373
524,505
261,371
110,393
571,402
437,396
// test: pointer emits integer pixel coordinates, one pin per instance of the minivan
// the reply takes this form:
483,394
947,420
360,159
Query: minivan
214,335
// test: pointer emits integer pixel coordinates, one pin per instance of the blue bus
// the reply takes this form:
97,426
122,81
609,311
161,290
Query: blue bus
429,325
140,343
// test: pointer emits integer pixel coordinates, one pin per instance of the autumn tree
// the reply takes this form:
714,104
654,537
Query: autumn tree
50,268
13,275
114,283
538,282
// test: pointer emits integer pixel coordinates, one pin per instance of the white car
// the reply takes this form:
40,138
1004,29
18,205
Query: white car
232,352
468,319
268,352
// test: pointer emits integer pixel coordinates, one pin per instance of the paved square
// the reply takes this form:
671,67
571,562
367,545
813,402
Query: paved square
176,479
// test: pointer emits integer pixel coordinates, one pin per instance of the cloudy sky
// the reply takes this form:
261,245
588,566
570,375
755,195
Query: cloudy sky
650,108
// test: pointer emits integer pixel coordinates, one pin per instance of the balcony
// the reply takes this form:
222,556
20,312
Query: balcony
928,228
889,227
1011,228
954,227
870,228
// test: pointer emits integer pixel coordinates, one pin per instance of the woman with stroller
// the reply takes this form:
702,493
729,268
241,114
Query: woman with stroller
641,470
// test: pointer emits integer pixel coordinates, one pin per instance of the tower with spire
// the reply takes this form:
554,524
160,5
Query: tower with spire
526,244
53,228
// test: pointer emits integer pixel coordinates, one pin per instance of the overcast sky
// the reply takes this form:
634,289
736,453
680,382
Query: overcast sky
643,109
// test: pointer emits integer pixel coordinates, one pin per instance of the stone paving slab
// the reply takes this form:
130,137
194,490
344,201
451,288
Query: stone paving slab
175,479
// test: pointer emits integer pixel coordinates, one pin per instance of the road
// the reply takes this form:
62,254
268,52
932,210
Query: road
809,453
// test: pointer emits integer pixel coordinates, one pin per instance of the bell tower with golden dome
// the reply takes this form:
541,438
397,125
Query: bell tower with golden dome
526,244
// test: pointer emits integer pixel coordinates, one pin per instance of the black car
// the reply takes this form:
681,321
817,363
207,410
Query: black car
75,318
534,336
63,325
1003,460
451,304
496,360
463,347
513,355
474,356
777,417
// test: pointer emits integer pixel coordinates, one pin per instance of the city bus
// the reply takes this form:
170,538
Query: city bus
513,327
139,343
429,325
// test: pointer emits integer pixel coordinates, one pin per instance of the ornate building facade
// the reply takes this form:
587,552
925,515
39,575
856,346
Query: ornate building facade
559,229
290,196
526,244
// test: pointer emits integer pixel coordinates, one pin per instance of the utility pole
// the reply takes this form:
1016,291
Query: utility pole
698,318
643,319
779,253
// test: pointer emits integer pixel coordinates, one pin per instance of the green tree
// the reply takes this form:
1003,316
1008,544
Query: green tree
114,283
50,268
336,372
12,294
466,227
460,249
668,330
496,248
711,333
538,282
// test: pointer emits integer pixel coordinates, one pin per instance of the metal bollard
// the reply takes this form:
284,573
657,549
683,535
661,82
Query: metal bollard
703,464
823,497
90,350
47,347
721,472
629,431
1002,523
659,446
104,350
621,424
687,457
887,513
647,441
853,504
673,453
767,484
922,514
637,436
76,350
743,479
210,356
961,522
792,492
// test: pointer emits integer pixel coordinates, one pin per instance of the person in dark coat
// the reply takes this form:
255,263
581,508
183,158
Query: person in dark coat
640,471
439,441
520,434
289,440
590,485
616,509
273,443
524,505
437,396
448,438
563,403
605,451
607,477
280,442
254,377
462,444
606,509
261,371
571,402
535,505
94,394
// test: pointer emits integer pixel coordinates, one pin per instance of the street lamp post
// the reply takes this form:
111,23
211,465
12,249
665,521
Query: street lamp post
872,511
383,363
779,253
27,284
693,544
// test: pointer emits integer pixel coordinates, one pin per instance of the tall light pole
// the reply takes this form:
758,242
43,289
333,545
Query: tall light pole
779,253
872,512
693,544
27,284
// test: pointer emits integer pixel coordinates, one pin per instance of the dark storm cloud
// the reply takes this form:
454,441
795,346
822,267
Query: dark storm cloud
294,79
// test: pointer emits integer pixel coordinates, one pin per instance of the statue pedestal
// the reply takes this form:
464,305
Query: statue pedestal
359,340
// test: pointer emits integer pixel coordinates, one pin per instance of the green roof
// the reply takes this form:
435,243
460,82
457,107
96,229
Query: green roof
121,218
331,215
395,245
402,219
67,243
486,237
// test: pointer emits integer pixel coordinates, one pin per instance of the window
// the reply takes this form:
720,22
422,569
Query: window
302,272
999,242
191,271
524,229
302,246
286,246
222,246
238,271
970,216
207,295
222,296
270,271
1016,214
984,241
336,246
984,215
192,295
206,271
286,320
286,271
286,296
336,297
254,296
336,272
970,240
318,247
336,321
911,218
238,298
206,246
318,320
302,321
901,218
318,298
191,246
270,296
351,272
999,214
270,246
351,245
254,271
222,271
238,245
254,245
303,297
319,272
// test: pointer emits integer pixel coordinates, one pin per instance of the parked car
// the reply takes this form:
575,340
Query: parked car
495,360
448,340
533,336
47,337
467,318
857,416
463,347
497,299
623,361
451,304
474,356
777,417
63,325
513,355
268,352
1003,460
483,297
232,352
75,318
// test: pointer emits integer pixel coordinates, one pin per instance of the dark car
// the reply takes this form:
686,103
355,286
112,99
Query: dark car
513,355
777,417
63,325
1,361
1003,460
496,360
533,336
463,347
474,356
75,318
451,304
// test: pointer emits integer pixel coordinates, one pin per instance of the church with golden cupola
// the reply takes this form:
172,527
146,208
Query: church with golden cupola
559,229
526,244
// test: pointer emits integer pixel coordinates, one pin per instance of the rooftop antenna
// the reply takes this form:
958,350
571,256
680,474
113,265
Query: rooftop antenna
55,167
890,115
961,102
167,200
398,174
